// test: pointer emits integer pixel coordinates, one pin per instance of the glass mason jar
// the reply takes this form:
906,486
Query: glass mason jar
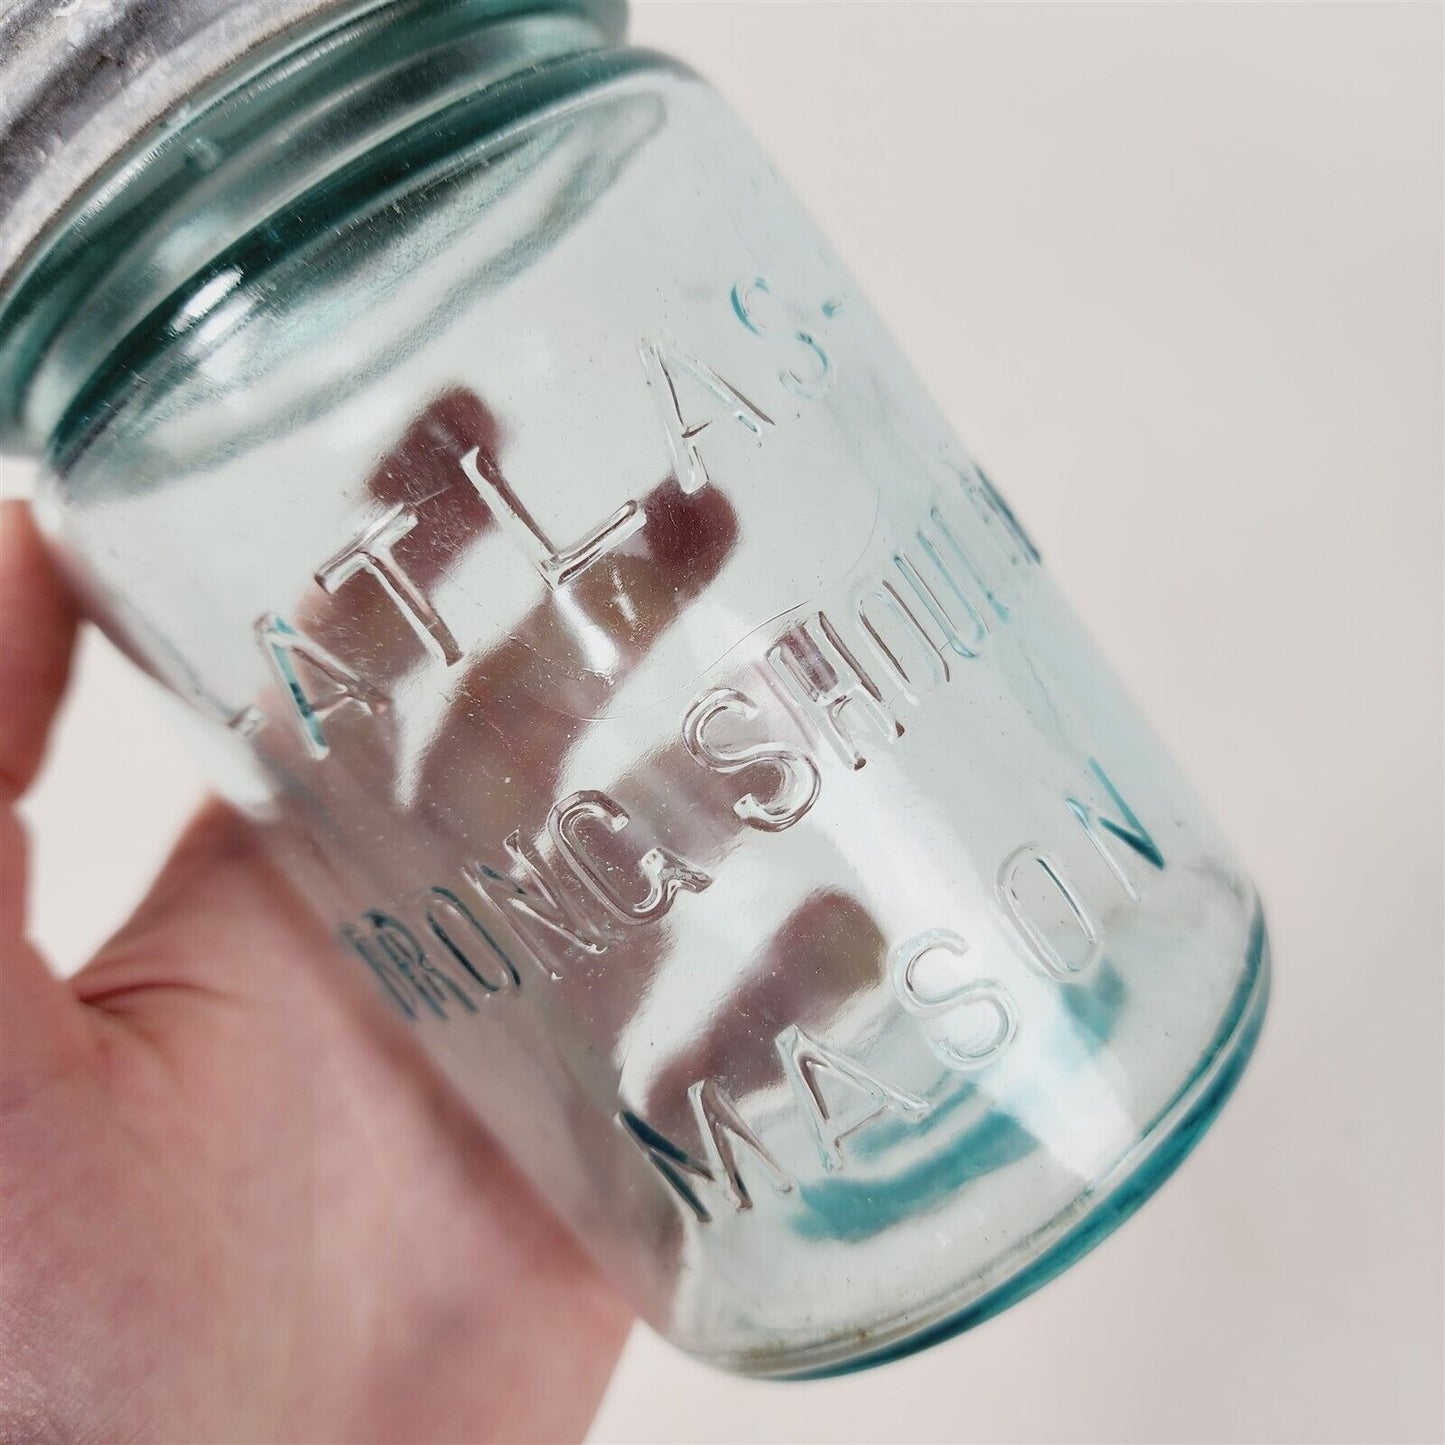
450,405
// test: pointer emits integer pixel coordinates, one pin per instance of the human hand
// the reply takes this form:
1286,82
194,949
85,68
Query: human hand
235,1205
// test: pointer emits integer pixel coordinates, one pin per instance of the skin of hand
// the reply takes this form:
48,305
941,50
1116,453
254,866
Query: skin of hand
235,1204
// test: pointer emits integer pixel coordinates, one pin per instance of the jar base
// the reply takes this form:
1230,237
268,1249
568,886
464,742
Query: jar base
1161,1148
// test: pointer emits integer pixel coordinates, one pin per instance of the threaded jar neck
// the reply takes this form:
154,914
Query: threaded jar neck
237,160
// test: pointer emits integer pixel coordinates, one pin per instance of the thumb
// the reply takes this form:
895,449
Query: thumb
40,1023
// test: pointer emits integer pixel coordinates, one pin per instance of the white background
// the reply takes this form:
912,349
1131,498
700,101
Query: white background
1175,272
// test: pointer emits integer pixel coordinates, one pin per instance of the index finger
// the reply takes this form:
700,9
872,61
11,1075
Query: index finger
37,633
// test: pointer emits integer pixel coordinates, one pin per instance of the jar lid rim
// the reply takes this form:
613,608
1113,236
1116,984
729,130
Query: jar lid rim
80,80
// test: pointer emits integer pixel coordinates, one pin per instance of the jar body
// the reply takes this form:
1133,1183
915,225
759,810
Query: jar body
687,738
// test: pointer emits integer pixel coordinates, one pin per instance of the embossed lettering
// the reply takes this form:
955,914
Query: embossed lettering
845,699
284,646
993,1005
990,503
930,980
556,564
393,981
806,1061
1130,832
925,989
944,596
372,553
444,905
812,373
532,898
900,640
797,775
1040,899
663,872
401,965
721,1129
670,371
954,558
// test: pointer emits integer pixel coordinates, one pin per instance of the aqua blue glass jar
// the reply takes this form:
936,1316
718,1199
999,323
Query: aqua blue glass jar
558,561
